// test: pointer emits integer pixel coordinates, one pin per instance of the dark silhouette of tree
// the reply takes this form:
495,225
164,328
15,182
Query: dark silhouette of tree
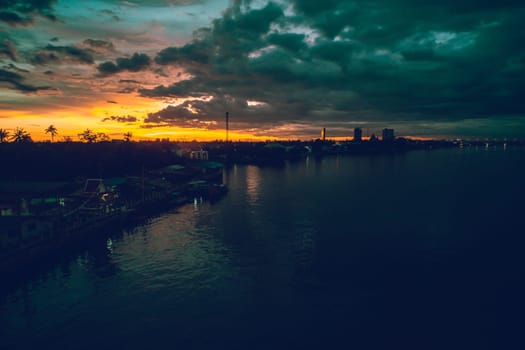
87,136
128,136
102,137
21,136
4,135
51,130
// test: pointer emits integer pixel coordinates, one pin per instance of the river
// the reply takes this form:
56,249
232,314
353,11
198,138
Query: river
418,250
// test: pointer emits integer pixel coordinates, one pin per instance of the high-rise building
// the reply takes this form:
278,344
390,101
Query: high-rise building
358,135
323,134
388,135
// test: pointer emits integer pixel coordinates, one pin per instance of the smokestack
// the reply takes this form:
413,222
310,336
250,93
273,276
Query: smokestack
227,125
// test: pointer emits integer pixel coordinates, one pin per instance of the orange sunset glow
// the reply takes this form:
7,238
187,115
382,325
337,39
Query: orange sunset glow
173,68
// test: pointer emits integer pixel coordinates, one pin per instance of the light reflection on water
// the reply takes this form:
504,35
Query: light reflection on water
253,179
307,253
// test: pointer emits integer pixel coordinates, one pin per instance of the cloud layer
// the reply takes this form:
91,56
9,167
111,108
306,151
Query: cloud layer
419,66
357,61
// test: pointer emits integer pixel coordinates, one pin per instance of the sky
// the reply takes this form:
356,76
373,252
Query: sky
282,69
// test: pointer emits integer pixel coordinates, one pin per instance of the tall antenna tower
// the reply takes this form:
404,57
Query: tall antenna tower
227,125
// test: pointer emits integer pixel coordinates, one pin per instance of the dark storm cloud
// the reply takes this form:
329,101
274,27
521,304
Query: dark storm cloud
121,118
129,81
154,3
210,113
137,62
99,44
56,54
15,12
28,6
42,57
8,49
16,82
196,52
354,60
78,54
182,116
184,88
232,35
291,41
12,67
220,59
14,19
107,68
254,21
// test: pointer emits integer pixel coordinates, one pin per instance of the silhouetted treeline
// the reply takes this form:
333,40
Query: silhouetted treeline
68,160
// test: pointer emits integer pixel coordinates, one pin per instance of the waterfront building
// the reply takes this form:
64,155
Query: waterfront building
388,134
323,134
358,135
200,155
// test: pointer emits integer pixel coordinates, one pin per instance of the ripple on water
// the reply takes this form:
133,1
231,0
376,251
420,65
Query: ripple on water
349,247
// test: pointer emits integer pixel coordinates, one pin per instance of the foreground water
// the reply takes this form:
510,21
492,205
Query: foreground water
422,250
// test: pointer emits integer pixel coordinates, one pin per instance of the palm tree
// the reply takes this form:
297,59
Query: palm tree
128,136
103,137
88,136
51,130
21,136
4,135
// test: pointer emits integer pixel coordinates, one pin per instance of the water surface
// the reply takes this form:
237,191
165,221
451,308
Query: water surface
420,250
